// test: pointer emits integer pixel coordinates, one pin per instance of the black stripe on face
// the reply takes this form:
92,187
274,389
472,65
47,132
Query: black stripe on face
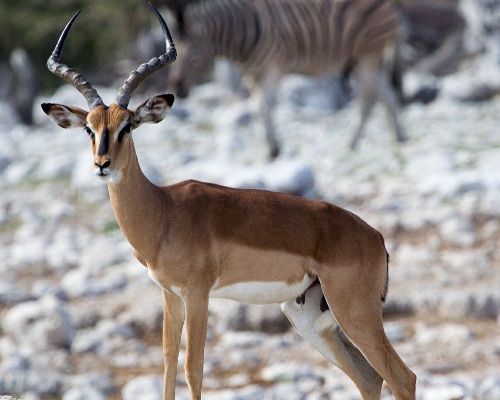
104,143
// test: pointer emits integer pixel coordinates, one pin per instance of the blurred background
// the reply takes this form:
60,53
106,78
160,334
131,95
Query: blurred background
79,317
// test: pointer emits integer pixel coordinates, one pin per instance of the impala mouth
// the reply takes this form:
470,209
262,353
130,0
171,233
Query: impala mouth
104,176
108,176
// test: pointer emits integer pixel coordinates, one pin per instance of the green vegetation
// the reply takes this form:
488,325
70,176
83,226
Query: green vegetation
110,226
101,34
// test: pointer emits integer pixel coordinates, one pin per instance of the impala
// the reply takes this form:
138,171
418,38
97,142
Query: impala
326,266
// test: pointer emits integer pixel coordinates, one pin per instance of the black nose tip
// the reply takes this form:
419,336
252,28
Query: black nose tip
105,164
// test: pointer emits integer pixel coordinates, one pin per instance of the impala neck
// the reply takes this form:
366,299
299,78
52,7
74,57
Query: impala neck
139,207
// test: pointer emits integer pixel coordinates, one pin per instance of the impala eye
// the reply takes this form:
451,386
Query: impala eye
90,133
126,129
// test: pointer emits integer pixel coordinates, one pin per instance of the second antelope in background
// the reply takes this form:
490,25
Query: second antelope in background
270,38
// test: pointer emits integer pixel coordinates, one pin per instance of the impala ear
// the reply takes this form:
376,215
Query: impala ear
154,109
66,116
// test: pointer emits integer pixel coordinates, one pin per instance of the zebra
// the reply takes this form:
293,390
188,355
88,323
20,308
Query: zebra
270,38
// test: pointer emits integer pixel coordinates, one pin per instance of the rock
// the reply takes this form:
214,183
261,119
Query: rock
102,382
82,283
288,372
444,334
460,303
243,317
251,392
83,394
395,331
63,251
458,231
43,324
11,294
149,387
444,392
104,251
45,383
104,339
489,388
294,177
144,315
55,167
288,177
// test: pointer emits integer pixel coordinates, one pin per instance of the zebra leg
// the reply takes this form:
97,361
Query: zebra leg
366,72
322,330
366,101
266,87
387,95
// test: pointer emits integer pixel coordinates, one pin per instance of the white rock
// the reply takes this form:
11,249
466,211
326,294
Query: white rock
459,231
41,324
395,331
63,252
252,392
444,334
287,372
104,251
10,293
83,394
81,283
444,392
489,389
148,387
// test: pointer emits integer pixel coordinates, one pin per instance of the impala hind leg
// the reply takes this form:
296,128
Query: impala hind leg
358,309
322,330
173,321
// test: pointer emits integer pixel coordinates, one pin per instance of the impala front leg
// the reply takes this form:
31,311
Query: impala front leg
196,333
173,321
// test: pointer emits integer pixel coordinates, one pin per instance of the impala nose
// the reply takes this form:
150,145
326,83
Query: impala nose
102,167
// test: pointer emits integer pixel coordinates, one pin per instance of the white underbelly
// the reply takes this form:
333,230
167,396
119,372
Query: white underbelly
261,292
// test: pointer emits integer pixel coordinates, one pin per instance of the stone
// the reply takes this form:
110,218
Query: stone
148,387
243,317
489,388
458,231
43,324
81,283
46,383
445,334
11,294
83,394
444,392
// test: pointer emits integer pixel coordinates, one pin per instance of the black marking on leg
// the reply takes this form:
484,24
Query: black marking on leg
302,298
323,305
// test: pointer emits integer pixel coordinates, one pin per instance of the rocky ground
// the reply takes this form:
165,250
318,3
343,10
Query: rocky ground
81,319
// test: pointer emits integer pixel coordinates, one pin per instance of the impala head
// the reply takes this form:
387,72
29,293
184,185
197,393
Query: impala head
109,128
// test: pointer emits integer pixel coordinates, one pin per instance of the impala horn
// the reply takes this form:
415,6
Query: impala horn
69,74
145,70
